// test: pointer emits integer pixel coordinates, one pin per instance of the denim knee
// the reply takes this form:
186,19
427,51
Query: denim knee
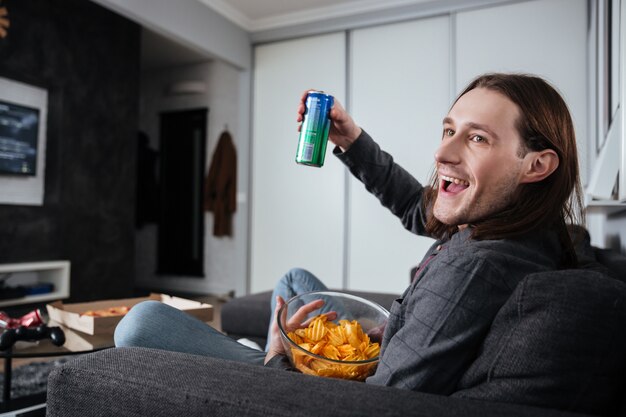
297,281
295,274
128,331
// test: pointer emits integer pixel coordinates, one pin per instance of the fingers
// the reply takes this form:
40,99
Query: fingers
302,313
337,115
300,318
301,106
330,316
279,303
301,109
340,116
276,346
306,93
337,110
343,130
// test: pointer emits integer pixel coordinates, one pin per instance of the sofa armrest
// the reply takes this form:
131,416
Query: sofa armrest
147,382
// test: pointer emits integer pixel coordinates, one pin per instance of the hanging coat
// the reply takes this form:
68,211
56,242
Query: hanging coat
220,187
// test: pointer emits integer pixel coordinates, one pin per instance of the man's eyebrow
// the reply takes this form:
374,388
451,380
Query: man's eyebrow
473,125
484,128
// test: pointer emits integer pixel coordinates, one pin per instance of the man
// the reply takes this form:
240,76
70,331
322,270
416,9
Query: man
498,205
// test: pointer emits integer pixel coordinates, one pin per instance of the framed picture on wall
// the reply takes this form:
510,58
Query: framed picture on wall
23,120
19,132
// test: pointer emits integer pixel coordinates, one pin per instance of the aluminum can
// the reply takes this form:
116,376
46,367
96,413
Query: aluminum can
5,320
32,319
314,131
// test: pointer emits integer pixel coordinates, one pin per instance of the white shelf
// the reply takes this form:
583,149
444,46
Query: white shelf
56,273
607,207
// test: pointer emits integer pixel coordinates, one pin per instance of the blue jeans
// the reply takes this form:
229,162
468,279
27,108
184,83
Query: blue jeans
152,324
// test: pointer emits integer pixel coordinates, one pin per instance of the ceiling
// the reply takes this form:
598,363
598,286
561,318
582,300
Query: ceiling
256,15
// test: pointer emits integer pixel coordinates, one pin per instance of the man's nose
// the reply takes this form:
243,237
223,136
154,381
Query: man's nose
449,151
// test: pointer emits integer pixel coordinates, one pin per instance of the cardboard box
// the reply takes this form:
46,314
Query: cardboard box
76,341
71,315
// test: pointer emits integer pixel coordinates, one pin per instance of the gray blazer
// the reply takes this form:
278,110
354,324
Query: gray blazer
436,328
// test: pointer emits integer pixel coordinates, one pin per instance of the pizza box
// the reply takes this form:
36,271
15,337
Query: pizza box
72,315
76,341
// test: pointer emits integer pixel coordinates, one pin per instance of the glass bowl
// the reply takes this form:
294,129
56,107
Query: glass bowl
357,355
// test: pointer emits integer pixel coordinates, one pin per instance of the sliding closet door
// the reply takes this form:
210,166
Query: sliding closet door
399,81
298,211
543,37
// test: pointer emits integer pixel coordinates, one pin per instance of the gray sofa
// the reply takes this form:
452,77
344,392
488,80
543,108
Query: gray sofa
556,348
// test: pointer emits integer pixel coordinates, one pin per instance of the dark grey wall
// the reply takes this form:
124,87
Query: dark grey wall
88,59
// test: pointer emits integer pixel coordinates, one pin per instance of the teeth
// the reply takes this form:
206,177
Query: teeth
455,180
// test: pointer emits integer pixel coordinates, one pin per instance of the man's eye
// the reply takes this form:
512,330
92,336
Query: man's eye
478,139
448,132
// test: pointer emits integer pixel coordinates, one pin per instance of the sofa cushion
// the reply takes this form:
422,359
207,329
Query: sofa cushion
132,382
558,342
247,316
615,262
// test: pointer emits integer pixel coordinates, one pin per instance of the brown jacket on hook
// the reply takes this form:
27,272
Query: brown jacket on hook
220,188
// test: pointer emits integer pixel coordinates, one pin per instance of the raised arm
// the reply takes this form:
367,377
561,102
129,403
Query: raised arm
394,187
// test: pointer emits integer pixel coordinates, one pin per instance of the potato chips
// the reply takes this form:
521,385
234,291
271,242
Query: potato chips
345,341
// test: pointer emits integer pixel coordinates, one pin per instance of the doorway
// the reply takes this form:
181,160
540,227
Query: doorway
181,218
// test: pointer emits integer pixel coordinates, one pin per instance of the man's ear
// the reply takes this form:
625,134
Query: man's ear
539,165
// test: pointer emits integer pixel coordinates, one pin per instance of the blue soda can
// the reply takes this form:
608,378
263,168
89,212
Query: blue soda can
314,131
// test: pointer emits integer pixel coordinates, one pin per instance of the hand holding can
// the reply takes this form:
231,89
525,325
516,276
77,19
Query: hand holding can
343,129
314,129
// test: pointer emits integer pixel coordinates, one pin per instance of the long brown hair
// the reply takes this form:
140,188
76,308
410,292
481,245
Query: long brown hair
544,123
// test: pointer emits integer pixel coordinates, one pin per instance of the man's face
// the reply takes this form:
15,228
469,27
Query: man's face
478,165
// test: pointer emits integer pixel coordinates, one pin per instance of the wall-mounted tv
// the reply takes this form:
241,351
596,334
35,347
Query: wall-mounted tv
19,130
23,122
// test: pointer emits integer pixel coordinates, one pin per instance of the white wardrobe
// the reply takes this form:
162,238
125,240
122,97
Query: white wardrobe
398,81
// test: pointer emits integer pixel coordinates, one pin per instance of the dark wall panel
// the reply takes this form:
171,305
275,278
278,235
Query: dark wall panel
88,59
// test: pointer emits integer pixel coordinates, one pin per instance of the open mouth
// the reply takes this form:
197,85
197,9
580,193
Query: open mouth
453,185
